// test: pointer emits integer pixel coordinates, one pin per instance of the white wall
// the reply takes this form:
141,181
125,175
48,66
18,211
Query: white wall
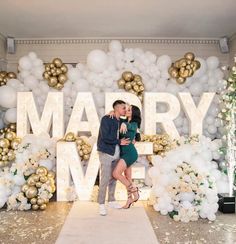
76,50
3,63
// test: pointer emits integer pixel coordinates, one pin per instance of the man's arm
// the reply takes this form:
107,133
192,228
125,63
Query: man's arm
107,137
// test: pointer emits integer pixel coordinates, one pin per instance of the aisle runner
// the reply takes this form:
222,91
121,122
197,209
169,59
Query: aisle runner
84,226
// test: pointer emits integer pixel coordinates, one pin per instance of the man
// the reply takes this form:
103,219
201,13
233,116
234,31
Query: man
109,153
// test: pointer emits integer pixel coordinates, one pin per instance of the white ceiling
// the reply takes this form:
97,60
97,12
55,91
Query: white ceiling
117,18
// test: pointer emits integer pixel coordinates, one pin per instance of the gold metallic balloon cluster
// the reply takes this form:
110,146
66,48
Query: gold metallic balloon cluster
161,143
8,144
184,68
56,73
84,148
10,127
5,76
33,185
132,83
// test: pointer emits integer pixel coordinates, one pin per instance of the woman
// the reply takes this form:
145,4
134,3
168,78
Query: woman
128,154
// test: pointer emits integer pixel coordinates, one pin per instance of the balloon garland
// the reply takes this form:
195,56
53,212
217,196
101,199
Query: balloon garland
132,83
36,183
84,148
56,73
5,76
184,68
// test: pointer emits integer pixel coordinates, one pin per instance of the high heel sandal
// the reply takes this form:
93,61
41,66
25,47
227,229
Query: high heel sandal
129,201
136,190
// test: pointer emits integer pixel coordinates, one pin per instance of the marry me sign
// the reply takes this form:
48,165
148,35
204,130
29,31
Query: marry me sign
51,121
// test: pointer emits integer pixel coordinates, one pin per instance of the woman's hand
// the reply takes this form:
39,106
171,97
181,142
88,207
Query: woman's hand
111,114
123,128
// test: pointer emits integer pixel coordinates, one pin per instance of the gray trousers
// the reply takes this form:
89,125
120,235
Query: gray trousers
108,164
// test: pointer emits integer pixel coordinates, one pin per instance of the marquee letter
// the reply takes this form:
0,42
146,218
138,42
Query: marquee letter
196,114
68,161
84,101
152,117
53,114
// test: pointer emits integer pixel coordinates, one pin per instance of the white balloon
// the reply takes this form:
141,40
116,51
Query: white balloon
10,115
74,74
163,62
115,46
97,60
25,63
31,82
212,62
8,97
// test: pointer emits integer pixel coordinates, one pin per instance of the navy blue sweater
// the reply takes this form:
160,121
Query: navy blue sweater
107,137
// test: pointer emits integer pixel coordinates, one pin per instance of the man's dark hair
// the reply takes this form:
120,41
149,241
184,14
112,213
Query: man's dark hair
117,102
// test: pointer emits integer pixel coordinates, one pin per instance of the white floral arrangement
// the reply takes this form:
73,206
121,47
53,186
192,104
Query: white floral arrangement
187,180
188,194
34,151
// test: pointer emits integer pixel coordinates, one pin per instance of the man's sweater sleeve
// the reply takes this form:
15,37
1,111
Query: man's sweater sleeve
109,138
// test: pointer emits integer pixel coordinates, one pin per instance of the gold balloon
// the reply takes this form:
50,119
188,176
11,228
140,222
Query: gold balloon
31,192
62,78
35,207
189,56
121,83
10,135
38,184
41,170
137,78
11,155
4,143
31,181
15,143
25,187
64,68
196,65
180,80
51,174
11,75
40,201
70,136
128,76
184,73
43,178
52,81
182,62
35,177
43,206
57,62
33,200
59,86
46,75
173,72
128,86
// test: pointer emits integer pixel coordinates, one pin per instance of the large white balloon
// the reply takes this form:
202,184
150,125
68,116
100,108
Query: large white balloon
97,60
10,115
8,97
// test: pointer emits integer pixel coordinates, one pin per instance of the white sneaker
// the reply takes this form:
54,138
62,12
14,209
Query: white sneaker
102,210
114,204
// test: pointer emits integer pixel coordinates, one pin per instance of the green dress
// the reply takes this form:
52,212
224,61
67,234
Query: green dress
129,153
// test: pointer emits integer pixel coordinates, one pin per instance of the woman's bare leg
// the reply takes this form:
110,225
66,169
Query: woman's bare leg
128,174
118,173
